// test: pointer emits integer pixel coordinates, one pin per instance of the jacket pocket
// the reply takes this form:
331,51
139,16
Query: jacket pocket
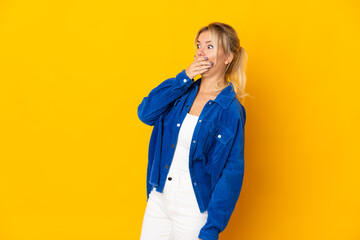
223,134
215,144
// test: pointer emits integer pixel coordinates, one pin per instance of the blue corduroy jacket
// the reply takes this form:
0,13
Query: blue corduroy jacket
216,158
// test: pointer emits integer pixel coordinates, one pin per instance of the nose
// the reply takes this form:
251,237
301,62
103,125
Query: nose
200,52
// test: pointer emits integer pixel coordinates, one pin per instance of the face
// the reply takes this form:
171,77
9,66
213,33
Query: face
205,48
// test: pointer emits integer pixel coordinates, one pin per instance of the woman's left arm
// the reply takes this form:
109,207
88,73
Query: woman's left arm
227,189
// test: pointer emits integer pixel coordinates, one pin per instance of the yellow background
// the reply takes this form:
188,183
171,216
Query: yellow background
73,152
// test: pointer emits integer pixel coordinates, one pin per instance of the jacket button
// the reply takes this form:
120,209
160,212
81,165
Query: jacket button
194,141
187,105
185,80
178,124
209,102
195,183
219,136
172,145
190,162
170,178
200,120
166,166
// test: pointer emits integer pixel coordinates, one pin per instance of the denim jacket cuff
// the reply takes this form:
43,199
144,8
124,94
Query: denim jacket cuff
183,78
207,235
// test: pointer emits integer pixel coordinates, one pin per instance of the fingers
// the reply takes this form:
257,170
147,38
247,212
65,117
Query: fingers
200,59
200,70
203,67
200,65
204,64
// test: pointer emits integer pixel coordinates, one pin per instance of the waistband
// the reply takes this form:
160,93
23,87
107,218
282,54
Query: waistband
179,182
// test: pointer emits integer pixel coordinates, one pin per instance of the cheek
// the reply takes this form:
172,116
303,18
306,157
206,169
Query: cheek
212,57
211,54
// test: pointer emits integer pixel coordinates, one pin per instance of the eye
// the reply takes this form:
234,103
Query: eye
209,46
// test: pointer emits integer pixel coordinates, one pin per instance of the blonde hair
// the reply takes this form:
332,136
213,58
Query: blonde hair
235,70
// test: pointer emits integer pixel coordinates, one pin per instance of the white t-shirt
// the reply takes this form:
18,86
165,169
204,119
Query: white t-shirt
180,162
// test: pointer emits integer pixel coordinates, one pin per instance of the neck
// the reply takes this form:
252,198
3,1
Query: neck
208,83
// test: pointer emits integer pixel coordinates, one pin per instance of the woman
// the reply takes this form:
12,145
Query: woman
196,153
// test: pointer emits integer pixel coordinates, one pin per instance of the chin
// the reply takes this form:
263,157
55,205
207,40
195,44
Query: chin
205,73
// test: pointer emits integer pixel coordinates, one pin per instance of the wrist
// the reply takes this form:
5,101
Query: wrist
190,76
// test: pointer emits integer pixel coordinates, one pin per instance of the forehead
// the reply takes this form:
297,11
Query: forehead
204,36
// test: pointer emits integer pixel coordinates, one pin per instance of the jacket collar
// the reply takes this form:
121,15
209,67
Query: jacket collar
224,98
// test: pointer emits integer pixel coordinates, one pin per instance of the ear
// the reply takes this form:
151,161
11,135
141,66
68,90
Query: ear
229,58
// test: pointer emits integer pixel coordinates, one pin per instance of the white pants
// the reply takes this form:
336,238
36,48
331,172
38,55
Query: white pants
174,213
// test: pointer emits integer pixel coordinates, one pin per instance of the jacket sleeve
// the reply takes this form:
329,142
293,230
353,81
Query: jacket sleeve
161,97
227,189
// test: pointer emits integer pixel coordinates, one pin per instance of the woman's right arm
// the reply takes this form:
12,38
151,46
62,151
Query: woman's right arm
162,96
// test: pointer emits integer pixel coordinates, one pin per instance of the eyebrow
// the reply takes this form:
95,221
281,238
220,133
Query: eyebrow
205,42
